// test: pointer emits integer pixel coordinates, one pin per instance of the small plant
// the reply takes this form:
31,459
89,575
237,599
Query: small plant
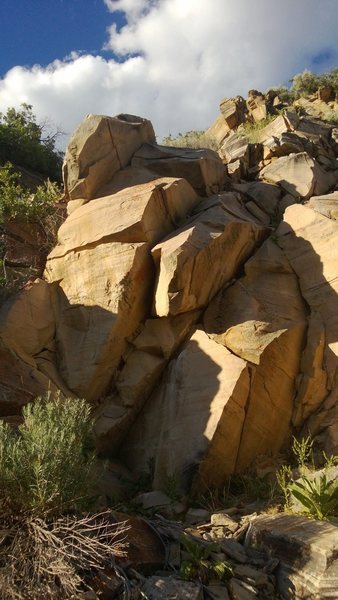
46,467
200,564
318,496
302,450
284,478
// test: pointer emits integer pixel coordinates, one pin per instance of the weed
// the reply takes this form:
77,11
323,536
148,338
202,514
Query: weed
302,450
318,496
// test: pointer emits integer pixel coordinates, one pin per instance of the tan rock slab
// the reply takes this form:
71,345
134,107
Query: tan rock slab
233,111
326,205
104,294
307,550
209,248
142,213
203,169
100,147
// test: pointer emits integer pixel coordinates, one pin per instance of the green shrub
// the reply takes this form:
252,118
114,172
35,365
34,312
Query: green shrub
191,139
25,142
45,467
19,203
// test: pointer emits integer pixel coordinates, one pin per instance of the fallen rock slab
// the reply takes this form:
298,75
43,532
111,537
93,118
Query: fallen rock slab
307,551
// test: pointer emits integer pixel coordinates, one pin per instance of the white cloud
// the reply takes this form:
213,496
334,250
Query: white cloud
180,58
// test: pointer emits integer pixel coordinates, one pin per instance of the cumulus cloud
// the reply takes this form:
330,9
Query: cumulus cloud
174,60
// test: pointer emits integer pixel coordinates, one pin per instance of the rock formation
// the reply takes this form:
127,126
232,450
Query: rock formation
203,333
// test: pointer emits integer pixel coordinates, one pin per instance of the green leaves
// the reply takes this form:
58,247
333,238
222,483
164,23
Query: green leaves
46,466
19,203
23,142
318,496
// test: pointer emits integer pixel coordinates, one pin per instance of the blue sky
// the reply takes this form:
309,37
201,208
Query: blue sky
40,31
169,60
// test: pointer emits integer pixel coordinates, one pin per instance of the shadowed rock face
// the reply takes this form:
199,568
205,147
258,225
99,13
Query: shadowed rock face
206,337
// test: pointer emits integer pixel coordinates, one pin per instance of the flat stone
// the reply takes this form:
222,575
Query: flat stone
234,550
217,592
167,588
239,591
152,499
307,550
222,519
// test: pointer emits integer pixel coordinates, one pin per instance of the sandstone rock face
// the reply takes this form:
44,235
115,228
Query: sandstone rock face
299,175
100,147
202,343
262,319
307,551
220,228
151,350
199,409
308,239
20,382
203,169
219,130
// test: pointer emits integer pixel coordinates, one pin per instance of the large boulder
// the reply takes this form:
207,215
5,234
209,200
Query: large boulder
100,147
210,248
299,175
203,169
106,275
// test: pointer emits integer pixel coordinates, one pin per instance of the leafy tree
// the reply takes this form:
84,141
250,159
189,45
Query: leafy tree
25,142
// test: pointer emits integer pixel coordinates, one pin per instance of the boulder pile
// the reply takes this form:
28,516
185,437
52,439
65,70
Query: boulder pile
201,326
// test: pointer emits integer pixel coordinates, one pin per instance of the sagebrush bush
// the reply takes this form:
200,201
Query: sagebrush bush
46,466
191,139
